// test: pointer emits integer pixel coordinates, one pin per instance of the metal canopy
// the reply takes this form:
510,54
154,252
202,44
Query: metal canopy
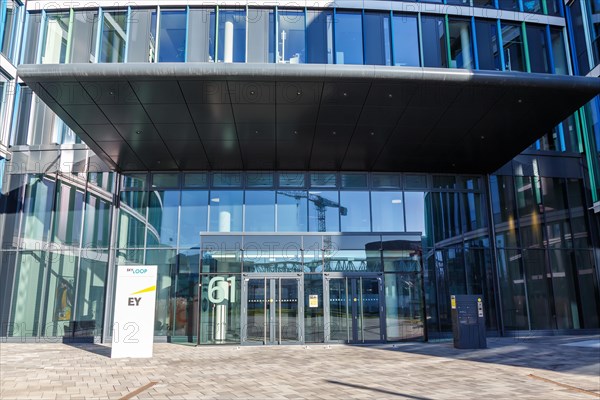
305,117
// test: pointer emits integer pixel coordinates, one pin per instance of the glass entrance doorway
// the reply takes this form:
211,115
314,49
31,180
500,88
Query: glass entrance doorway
272,309
354,308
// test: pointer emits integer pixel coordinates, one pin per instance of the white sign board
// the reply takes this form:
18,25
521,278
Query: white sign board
135,298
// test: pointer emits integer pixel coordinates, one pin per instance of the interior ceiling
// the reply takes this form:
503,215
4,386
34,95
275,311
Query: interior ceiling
205,116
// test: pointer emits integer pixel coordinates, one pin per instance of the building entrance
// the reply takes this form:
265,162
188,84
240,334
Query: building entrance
272,309
354,308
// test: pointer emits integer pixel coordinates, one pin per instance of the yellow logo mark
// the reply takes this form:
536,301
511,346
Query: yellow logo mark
148,289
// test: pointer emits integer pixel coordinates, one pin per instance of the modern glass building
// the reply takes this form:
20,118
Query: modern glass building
328,173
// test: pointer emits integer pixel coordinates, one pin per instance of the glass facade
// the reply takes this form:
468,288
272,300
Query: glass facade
226,243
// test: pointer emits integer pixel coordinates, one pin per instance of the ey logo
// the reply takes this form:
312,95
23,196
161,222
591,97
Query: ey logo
135,301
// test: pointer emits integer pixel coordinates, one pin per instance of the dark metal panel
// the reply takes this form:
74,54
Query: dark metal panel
223,154
345,93
189,154
259,155
297,114
177,132
86,114
67,92
115,92
211,113
168,113
251,92
333,114
138,132
444,119
254,113
257,132
158,92
391,95
125,113
102,132
379,115
205,92
298,93
217,132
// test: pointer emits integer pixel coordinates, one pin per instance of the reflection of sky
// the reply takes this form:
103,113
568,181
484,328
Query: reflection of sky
415,212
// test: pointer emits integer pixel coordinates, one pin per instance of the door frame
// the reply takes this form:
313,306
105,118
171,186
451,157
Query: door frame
327,276
299,277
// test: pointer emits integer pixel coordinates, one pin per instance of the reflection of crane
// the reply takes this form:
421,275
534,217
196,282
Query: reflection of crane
320,202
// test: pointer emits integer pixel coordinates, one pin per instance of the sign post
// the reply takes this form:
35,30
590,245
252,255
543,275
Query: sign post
135,299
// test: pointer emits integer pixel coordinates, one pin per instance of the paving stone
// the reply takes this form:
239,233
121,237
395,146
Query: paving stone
405,370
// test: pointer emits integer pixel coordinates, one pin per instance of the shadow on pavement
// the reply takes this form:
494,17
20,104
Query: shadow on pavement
545,353
91,348
388,392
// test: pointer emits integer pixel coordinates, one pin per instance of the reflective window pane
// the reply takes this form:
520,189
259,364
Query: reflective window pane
324,211
226,211
172,35
114,37
532,6
377,39
461,44
261,36
201,35
487,44
194,216
434,42
91,284
508,4
260,211
55,41
96,226
348,38
291,39
142,36
292,211
415,212
387,211
514,53
558,51
68,214
406,40
163,211
538,49
83,45
319,36
357,218
232,36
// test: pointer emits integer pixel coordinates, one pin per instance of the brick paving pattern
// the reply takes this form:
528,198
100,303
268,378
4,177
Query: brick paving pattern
407,370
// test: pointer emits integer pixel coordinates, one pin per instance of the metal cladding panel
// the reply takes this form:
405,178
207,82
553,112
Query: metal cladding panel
139,116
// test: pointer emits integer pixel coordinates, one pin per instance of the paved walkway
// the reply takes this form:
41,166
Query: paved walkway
535,368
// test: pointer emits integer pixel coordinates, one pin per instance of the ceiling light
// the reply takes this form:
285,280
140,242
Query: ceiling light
390,95
215,199
345,94
334,133
372,133
138,132
295,132
396,201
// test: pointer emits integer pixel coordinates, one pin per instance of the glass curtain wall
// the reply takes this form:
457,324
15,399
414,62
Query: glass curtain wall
514,51
11,15
262,35
142,35
348,38
232,36
435,49
406,40
461,47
